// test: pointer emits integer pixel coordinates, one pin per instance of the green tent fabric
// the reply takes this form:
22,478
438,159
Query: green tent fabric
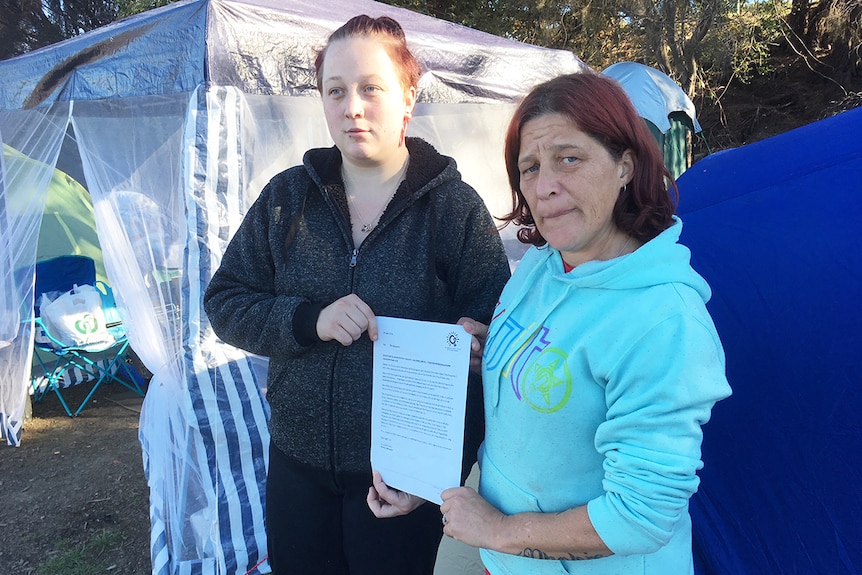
668,111
675,144
68,225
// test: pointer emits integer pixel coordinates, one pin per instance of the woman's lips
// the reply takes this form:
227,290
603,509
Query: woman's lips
557,213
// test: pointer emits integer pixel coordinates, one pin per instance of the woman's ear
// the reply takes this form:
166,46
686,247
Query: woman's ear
409,102
626,167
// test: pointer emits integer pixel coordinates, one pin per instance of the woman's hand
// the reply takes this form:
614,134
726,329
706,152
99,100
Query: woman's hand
479,331
345,320
387,502
470,519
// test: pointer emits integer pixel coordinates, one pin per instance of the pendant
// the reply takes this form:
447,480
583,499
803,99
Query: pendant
365,228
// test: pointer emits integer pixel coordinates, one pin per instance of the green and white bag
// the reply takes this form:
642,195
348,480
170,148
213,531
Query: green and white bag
75,318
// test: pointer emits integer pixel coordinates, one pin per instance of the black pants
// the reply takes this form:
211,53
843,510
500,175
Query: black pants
317,523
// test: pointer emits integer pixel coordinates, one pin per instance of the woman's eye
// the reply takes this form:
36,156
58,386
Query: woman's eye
530,169
372,89
569,160
335,91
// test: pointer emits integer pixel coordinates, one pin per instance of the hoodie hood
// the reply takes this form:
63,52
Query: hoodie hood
427,169
662,260
630,292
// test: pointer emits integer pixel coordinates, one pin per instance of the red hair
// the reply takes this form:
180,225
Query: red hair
391,36
599,107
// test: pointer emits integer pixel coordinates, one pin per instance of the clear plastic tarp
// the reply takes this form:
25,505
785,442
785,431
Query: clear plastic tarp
181,116
30,145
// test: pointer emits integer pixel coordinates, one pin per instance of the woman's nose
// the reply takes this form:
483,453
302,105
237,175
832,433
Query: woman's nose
547,184
353,106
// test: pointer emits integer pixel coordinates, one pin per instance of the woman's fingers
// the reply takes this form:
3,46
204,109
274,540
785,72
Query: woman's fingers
478,331
387,502
345,320
469,518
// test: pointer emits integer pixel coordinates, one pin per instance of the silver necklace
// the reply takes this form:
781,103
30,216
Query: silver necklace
368,226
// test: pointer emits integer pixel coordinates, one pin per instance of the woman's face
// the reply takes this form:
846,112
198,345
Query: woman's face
571,183
366,106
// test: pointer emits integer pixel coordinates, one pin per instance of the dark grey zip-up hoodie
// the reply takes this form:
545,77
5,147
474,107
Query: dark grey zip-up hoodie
434,256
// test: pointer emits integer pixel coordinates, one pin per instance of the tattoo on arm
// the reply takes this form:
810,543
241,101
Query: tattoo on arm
539,554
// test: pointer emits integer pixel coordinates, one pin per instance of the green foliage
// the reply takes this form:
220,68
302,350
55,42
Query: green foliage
85,559
131,7
25,26
588,28
738,47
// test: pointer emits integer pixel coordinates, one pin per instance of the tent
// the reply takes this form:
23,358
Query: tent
669,112
181,114
774,227
68,228
68,225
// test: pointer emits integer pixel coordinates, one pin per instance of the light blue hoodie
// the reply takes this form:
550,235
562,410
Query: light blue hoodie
596,385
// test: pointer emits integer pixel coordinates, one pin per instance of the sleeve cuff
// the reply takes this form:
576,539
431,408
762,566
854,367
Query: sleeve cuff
622,537
305,323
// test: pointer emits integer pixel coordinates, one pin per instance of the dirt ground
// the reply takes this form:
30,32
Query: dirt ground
73,496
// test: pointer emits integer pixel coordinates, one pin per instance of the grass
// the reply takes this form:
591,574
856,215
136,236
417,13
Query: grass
85,559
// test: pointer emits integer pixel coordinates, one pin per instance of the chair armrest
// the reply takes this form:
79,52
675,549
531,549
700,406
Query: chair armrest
109,307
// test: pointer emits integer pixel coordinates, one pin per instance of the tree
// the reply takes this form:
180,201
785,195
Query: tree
587,28
673,32
131,7
828,35
667,34
26,25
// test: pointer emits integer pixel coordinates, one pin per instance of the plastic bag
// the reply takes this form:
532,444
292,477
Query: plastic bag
75,318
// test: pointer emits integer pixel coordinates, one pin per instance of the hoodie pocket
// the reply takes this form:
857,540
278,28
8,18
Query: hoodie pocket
509,498
502,493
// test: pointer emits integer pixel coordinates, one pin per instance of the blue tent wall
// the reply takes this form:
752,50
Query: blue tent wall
776,229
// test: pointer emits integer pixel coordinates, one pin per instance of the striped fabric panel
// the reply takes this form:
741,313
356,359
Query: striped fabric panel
18,359
11,429
71,376
229,439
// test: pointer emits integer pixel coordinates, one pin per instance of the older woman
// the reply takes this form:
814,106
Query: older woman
601,363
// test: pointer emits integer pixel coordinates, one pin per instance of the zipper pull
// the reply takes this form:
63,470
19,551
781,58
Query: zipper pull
353,257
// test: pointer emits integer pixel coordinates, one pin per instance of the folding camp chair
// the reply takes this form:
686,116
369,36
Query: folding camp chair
63,364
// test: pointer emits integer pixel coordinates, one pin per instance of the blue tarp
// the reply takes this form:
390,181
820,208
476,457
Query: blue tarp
775,228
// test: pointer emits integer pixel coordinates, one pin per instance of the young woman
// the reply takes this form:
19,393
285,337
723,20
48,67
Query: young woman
379,224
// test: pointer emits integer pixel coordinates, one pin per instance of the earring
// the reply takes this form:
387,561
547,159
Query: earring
403,131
